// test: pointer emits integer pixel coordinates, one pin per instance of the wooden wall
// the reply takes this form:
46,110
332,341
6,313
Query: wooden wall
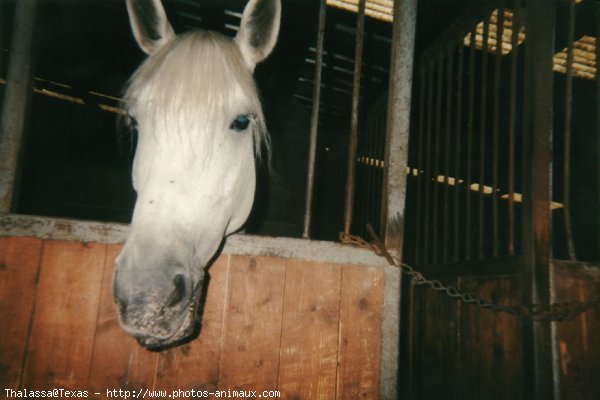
457,351
310,330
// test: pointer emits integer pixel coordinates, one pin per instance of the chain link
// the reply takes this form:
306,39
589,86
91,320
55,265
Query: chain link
554,312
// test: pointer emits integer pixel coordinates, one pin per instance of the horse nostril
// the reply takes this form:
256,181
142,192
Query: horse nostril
178,292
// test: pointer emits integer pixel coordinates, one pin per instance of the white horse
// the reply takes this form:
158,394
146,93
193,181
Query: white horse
200,128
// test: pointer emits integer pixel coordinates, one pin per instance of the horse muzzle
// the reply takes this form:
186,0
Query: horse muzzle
157,306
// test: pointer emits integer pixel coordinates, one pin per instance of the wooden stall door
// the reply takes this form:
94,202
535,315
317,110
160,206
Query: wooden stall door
307,330
460,351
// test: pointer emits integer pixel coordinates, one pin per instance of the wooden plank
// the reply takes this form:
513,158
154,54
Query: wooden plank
196,365
435,339
490,343
360,332
252,324
118,361
579,342
64,323
19,266
310,331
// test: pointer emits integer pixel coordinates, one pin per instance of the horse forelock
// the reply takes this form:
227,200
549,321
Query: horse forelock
196,79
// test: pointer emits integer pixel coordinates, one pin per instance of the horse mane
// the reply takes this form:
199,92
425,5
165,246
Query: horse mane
196,73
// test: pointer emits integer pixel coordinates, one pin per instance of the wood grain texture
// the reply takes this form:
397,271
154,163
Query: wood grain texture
252,324
64,323
435,345
19,263
360,332
118,361
579,341
195,365
490,343
310,331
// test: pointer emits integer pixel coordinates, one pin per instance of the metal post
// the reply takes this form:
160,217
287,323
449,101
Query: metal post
3,44
353,143
398,119
598,110
16,96
567,130
394,182
512,125
537,159
314,122
496,128
469,155
483,126
458,153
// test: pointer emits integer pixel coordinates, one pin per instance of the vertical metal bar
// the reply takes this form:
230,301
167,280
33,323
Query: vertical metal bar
394,187
496,128
458,151
512,124
427,175
446,209
567,132
314,123
368,167
483,133
3,43
537,155
352,147
469,155
373,132
398,123
436,158
420,168
16,98
380,155
598,110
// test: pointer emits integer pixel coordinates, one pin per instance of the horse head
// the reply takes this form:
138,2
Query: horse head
200,128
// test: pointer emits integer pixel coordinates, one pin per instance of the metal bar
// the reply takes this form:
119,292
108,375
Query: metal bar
427,175
368,189
398,124
380,153
353,141
483,134
394,183
469,155
314,122
512,125
457,152
419,167
538,77
567,131
16,99
598,110
3,40
436,158
446,209
378,143
496,128
374,131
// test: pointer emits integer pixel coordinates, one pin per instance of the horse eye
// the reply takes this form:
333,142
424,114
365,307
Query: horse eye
240,123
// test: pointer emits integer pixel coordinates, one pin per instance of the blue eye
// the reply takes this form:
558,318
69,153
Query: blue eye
240,123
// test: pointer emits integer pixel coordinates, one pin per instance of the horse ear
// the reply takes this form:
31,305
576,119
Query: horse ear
149,23
258,30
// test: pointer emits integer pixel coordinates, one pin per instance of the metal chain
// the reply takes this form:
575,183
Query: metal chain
554,312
